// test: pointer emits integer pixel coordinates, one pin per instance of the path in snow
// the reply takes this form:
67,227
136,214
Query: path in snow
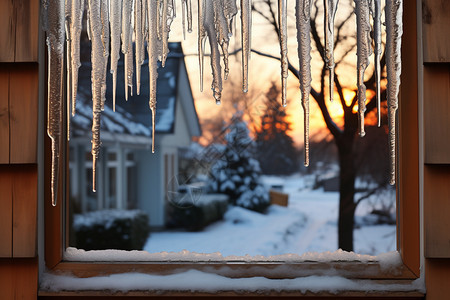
307,224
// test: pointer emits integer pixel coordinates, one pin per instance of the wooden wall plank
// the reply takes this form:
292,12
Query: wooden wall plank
23,105
5,211
438,277
437,113
435,25
7,31
4,114
24,195
437,211
19,279
27,30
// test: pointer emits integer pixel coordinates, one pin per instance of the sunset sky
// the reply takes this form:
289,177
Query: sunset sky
263,71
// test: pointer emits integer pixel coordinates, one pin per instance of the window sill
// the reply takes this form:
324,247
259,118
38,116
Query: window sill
202,283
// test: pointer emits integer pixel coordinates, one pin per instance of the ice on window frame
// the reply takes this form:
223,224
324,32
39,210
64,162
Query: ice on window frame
303,16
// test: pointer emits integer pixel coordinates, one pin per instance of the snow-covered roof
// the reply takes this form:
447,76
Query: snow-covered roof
132,117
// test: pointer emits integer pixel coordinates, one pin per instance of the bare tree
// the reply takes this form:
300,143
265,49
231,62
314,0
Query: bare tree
344,136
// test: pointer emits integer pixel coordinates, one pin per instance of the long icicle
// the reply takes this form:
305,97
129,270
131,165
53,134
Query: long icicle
363,52
76,19
201,39
152,61
282,24
189,15
98,61
104,17
303,14
115,28
55,44
377,52
67,26
394,12
330,7
139,38
209,25
246,10
126,30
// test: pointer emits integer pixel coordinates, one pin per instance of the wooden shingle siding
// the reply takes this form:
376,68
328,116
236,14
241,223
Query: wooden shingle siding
23,106
19,30
435,28
18,279
5,212
24,196
7,31
4,114
437,113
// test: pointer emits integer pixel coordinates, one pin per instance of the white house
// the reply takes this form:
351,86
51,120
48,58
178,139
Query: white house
129,175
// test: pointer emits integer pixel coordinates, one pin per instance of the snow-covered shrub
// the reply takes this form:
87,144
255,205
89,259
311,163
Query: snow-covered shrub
237,173
111,229
195,215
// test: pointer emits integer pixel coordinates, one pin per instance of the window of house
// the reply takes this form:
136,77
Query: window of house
118,178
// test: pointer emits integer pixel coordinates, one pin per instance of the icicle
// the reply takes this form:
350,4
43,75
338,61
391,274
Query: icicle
363,52
104,16
165,32
76,18
303,15
209,26
183,17
88,22
152,60
330,7
189,15
129,68
246,11
55,44
282,24
229,11
201,38
394,31
139,37
67,25
126,36
115,28
221,28
98,66
377,51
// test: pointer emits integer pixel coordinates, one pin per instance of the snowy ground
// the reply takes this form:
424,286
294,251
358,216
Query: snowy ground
308,224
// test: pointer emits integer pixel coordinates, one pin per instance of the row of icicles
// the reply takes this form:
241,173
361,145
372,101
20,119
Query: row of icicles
111,24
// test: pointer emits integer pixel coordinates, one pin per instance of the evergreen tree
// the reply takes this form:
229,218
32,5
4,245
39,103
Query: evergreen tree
237,173
275,149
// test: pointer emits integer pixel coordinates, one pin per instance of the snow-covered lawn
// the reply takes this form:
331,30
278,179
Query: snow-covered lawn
308,224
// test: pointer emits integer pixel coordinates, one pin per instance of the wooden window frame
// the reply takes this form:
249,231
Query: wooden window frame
408,216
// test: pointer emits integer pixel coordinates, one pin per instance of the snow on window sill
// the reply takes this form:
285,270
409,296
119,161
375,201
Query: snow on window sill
194,281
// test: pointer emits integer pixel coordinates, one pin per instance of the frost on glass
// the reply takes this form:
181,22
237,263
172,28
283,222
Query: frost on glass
363,51
394,31
55,16
330,8
303,15
282,24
